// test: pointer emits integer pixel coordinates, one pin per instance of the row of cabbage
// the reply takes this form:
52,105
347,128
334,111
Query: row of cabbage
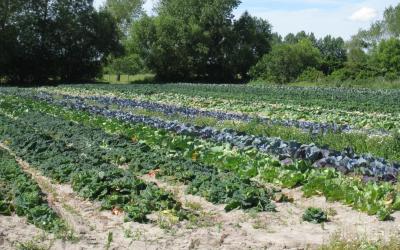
337,137
382,114
385,101
171,110
373,197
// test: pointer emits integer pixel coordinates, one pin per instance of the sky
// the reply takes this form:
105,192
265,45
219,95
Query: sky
336,17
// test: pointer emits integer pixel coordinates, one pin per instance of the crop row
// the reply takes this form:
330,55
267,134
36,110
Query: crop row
91,177
171,110
370,197
330,98
217,186
274,109
21,195
345,161
383,145
322,135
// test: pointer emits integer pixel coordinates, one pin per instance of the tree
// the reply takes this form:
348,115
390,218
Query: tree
193,40
290,39
55,40
387,56
8,33
356,51
125,12
130,64
392,21
295,38
276,39
333,53
286,62
388,27
87,37
204,40
252,40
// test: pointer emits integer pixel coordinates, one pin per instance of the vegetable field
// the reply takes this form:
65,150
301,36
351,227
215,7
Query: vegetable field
182,166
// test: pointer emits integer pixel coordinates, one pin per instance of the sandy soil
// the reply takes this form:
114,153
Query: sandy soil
211,229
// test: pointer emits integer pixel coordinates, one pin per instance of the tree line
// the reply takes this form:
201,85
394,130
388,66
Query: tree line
184,40
60,40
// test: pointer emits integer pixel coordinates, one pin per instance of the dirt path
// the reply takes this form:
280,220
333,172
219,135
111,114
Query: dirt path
212,228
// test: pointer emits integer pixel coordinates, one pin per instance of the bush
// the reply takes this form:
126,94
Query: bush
355,72
387,55
311,75
286,62
391,76
315,215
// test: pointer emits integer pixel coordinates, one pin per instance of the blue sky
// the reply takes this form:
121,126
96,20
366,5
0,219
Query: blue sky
337,17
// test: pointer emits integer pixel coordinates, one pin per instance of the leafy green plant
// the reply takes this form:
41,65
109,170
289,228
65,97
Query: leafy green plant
315,215
20,194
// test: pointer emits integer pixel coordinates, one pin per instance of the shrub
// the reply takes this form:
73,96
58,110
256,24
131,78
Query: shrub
311,75
315,215
286,62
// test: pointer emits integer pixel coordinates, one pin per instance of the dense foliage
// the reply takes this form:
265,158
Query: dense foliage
54,40
286,62
124,12
60,40
201,39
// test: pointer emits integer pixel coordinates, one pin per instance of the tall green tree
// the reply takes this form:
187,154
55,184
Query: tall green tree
86,39
125,12
391,21
295,38
199,40
55,40
8,32
387,56
333,52
252,40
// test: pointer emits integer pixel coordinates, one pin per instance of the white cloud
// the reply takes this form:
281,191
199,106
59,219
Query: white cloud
364,14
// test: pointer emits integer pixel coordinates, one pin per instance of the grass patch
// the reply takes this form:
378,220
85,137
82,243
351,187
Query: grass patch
340,242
